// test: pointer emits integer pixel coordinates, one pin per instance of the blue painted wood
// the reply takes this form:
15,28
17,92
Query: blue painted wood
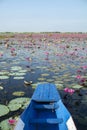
46,121
46,93
46,106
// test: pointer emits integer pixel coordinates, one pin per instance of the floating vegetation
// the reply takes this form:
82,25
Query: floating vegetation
4,73
45,74
1,88
41,79
59,86
18,78
3,110
4,125
16,68
22,71
17,103
14,107
4,77
18,93
50,80
65,66
77,86
19,74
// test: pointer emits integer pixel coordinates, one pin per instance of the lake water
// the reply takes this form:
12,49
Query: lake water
38,58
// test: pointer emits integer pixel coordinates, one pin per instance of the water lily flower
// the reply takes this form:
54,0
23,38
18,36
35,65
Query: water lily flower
12,49
66,89
12,121
84,67
28,58
69,90
78,71
1,54
47,53
78,76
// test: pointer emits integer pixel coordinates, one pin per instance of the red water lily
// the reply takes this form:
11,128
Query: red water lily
12,121
78,76
69,90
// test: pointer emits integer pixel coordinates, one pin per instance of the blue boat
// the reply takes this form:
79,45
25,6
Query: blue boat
46,111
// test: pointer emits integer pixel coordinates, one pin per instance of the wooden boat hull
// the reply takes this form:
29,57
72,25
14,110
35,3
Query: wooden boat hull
46,111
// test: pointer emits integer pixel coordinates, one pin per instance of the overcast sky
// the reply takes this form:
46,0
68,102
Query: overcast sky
43,15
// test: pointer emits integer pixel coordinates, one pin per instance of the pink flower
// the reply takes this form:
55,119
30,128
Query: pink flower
47,53
12,49
78,71
84,67
78,76
71,91
1,54
66,90
82,80
11,121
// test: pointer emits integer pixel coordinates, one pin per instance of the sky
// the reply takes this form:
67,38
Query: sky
43,15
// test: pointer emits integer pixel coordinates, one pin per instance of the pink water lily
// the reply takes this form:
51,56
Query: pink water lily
84,67
78,77
12,121
66,90
69,90
47,53
1,54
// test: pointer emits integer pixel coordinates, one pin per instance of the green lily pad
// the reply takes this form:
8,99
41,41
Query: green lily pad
19,74
59,86
45,74
16,68
36,84
4,125
18,78
14,107
76,86
17,103
50,80
4,77
22,71
18,93
41,79
4,73
1,88
3,110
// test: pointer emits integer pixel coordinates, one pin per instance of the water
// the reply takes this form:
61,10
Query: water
44,61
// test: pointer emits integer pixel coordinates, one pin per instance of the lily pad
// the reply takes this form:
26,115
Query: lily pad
14,107
18,93
3,110
41,79
18,78
22,71
59,86
4,77
4,73
16,68
1,88
50,80
17,103
77,86
45,74
19,74
5,126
